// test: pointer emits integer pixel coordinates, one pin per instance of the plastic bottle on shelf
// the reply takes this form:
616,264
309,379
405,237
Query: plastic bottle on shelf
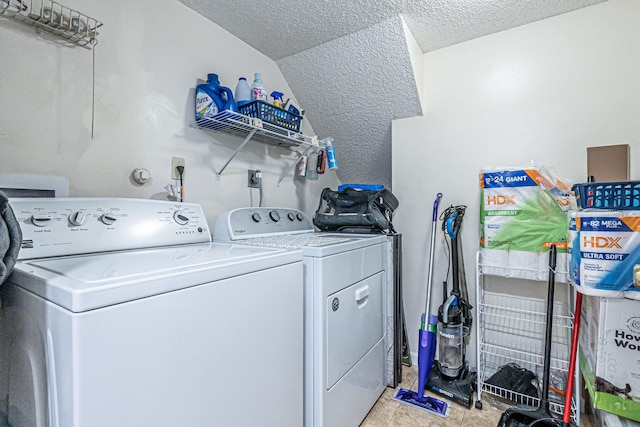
224,92
277,98
332,161
243,92
208,100
212,98
258,92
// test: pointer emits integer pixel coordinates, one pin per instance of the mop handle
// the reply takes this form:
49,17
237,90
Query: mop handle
434,223
435,207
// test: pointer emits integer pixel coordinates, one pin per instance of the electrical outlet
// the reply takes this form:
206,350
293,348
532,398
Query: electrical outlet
253,181
175,162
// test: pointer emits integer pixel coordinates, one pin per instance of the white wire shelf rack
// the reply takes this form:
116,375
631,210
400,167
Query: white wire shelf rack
72,27
511,329
238,124
250,128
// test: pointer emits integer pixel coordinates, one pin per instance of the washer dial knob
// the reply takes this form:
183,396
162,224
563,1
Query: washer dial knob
180,218
77,218
291,216
275,216
40,220
256,217
299,216
108,219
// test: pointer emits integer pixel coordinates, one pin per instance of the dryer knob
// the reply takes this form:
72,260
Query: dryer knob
256,217
77,218
275,216
180,218
108,219
291,216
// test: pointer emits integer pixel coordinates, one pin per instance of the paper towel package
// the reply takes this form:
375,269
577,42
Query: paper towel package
604,253
522,212
610,354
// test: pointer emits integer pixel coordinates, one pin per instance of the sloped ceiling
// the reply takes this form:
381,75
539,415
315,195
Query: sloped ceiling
349,63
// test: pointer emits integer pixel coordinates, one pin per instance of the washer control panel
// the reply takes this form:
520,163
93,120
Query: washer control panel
70,226
245,223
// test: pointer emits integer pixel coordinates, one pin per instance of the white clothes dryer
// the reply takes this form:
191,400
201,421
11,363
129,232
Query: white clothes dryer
344,277
121,312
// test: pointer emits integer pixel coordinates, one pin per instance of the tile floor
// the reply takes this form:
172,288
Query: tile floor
390,413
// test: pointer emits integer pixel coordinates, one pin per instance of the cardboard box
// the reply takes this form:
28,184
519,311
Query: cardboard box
610,354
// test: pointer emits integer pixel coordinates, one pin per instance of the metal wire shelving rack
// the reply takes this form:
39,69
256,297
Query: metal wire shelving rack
511,329
72,27
233,123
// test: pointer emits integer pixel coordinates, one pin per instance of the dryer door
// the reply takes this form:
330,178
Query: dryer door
354,325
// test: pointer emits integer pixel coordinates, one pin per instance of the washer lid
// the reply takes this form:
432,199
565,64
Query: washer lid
81,283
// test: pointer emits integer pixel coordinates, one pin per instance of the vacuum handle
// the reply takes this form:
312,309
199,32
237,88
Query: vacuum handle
435,206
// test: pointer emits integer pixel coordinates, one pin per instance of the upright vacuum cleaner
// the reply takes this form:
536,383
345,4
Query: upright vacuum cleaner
450,376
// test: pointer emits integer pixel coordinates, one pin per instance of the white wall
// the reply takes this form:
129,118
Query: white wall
150,57
539,93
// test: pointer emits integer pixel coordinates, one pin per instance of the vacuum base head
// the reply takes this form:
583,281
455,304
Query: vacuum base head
459,390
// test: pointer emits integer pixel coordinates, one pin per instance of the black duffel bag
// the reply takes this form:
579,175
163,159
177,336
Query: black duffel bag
355,210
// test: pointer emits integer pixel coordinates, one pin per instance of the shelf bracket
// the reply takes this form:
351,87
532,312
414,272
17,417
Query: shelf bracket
235,153
304,153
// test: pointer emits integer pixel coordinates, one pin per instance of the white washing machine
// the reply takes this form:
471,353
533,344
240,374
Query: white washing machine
344,308
121,312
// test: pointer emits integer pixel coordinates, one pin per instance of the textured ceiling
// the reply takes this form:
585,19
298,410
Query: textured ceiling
348,63
345,87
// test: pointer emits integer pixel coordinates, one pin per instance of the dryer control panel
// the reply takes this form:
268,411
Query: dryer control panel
69,226
245,223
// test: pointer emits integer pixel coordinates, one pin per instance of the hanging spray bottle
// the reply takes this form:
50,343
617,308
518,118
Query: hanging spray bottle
332,162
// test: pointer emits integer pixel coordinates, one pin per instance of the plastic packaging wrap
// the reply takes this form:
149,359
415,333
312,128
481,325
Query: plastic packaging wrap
522,212
604,252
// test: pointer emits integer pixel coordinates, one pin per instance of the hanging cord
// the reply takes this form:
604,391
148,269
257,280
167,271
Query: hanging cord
180,170
257,180
94,43
259,175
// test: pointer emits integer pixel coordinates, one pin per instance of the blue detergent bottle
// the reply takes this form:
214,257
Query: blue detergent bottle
211,98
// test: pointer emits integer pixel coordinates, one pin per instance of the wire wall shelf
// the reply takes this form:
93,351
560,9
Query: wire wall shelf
238,124
233,123
71,26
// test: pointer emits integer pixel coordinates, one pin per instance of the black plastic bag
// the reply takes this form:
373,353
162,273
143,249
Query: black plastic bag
514,378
